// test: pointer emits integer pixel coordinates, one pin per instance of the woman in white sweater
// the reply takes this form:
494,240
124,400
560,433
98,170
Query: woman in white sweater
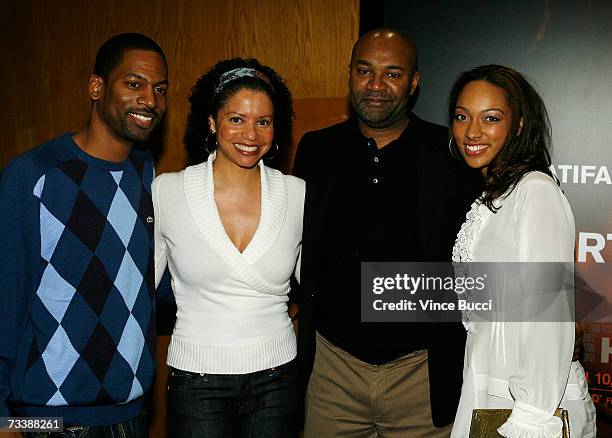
500,126
229,230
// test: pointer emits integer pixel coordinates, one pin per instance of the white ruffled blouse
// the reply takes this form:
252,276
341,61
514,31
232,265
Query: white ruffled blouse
525,366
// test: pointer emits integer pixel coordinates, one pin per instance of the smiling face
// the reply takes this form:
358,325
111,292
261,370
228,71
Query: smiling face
382,79
132,99
481,123
244,127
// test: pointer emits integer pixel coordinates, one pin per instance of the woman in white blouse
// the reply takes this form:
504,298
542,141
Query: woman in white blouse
229,230
500,126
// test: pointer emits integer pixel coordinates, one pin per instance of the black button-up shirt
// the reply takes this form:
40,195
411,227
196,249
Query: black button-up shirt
372,218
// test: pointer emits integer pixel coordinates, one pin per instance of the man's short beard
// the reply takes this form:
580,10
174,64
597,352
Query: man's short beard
133,134
375,117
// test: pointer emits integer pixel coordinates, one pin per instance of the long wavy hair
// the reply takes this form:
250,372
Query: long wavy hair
206,101
527,145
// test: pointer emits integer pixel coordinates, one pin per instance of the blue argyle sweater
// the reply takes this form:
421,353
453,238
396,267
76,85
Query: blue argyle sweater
76,285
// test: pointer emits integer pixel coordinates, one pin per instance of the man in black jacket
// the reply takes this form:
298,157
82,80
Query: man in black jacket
381,186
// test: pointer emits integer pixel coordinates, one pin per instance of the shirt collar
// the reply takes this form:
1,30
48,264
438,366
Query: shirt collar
356,136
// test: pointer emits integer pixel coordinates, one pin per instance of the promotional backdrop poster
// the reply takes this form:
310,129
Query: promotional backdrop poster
563,47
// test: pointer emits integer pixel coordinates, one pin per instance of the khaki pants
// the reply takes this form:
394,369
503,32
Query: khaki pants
347,397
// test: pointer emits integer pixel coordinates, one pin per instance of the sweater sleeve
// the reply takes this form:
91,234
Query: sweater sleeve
161,260
545,233
301,201
19,260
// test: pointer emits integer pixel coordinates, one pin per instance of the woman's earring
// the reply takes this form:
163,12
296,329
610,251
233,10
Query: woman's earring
274,154
451,148
206,143
520,128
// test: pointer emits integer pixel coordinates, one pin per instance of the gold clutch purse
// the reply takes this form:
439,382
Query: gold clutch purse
485,422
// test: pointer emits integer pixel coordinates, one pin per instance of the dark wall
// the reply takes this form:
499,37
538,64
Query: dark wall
565,48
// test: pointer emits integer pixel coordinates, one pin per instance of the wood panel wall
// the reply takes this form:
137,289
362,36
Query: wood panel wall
49,46
48,49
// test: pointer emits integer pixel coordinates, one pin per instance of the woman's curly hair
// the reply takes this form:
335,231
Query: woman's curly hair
206,101
526,148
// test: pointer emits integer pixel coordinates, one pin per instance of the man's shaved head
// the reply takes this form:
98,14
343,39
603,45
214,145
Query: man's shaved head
388,36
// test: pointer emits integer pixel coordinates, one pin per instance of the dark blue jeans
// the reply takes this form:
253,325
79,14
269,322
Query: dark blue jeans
137,427
263,404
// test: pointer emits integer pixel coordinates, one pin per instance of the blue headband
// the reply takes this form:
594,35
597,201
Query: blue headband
238,73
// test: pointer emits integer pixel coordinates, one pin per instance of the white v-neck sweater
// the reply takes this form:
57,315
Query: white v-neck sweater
231,306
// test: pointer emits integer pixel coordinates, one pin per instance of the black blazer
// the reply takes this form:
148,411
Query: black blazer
446,188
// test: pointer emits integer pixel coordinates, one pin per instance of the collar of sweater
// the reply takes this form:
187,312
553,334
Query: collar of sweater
200,194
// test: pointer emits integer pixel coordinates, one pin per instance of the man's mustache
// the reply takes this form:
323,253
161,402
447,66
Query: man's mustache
376,95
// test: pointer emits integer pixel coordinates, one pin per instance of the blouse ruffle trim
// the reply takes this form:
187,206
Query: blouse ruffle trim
463,250
475,220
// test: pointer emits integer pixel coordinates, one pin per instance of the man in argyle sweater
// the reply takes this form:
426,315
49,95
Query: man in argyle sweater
77,325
